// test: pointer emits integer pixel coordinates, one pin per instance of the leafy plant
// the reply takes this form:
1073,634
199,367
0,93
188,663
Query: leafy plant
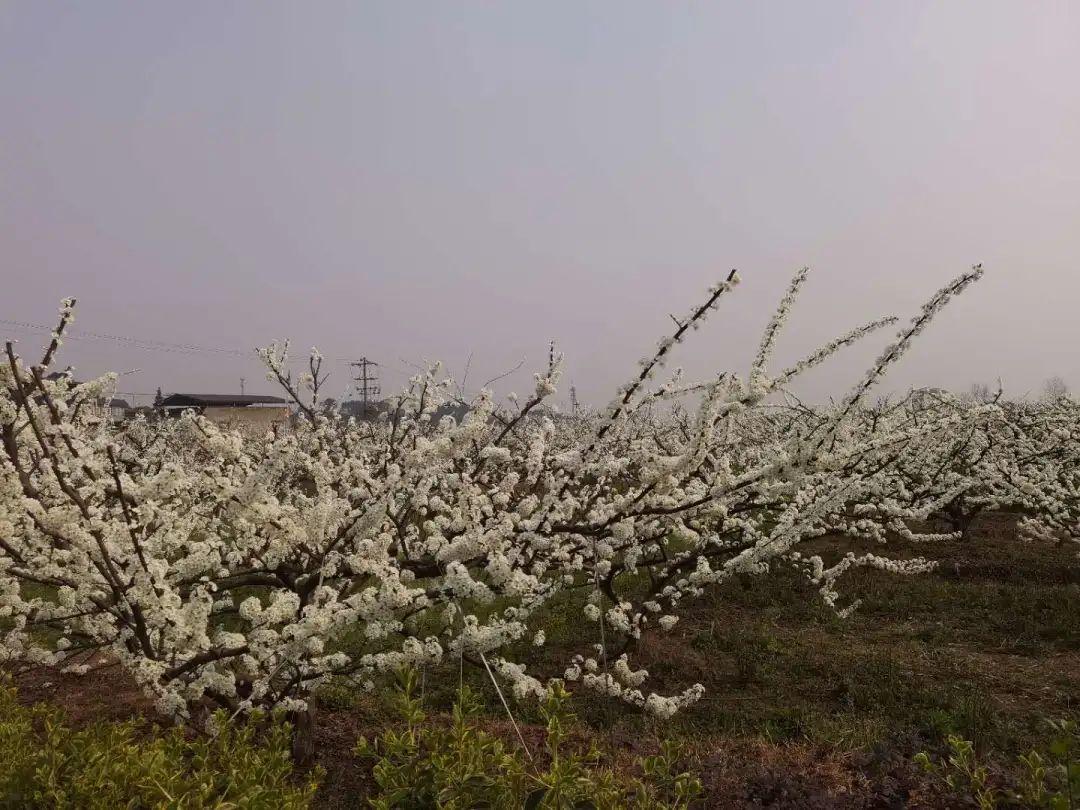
47,764
962,772
431,765
1050,777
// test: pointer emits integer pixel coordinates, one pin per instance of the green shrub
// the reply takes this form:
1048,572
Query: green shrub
45,763
432,765
1050,775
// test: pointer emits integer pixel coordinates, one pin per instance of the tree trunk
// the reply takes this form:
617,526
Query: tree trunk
303,736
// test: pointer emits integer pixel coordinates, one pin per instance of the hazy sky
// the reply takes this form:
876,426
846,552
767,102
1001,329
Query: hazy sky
426,180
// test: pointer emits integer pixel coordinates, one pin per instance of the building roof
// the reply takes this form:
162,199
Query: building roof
119,403
219,400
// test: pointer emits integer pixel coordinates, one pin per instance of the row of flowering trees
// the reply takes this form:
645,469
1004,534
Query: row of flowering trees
223,570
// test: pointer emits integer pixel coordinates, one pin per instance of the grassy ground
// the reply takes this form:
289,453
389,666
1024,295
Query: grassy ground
802,709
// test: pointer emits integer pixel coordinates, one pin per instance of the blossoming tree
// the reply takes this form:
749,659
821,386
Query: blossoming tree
221,569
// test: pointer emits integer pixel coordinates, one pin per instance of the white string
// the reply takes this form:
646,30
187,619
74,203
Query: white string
506,706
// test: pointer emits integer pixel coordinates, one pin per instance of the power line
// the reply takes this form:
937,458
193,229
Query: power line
367,380
144,343
141,343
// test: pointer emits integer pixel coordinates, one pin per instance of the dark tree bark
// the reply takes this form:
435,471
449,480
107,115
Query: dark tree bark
303,736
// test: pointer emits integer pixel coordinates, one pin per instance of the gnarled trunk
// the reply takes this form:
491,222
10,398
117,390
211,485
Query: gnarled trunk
303,736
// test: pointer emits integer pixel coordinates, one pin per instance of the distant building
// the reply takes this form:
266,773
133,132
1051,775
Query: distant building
245,411
115,410
119,410
148,412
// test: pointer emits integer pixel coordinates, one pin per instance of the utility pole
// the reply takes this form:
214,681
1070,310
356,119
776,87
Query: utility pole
367,381
573,400
241,386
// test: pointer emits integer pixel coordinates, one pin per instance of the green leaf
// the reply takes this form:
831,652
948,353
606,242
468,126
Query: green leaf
533,800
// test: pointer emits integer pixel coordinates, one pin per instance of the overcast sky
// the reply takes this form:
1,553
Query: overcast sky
408,181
